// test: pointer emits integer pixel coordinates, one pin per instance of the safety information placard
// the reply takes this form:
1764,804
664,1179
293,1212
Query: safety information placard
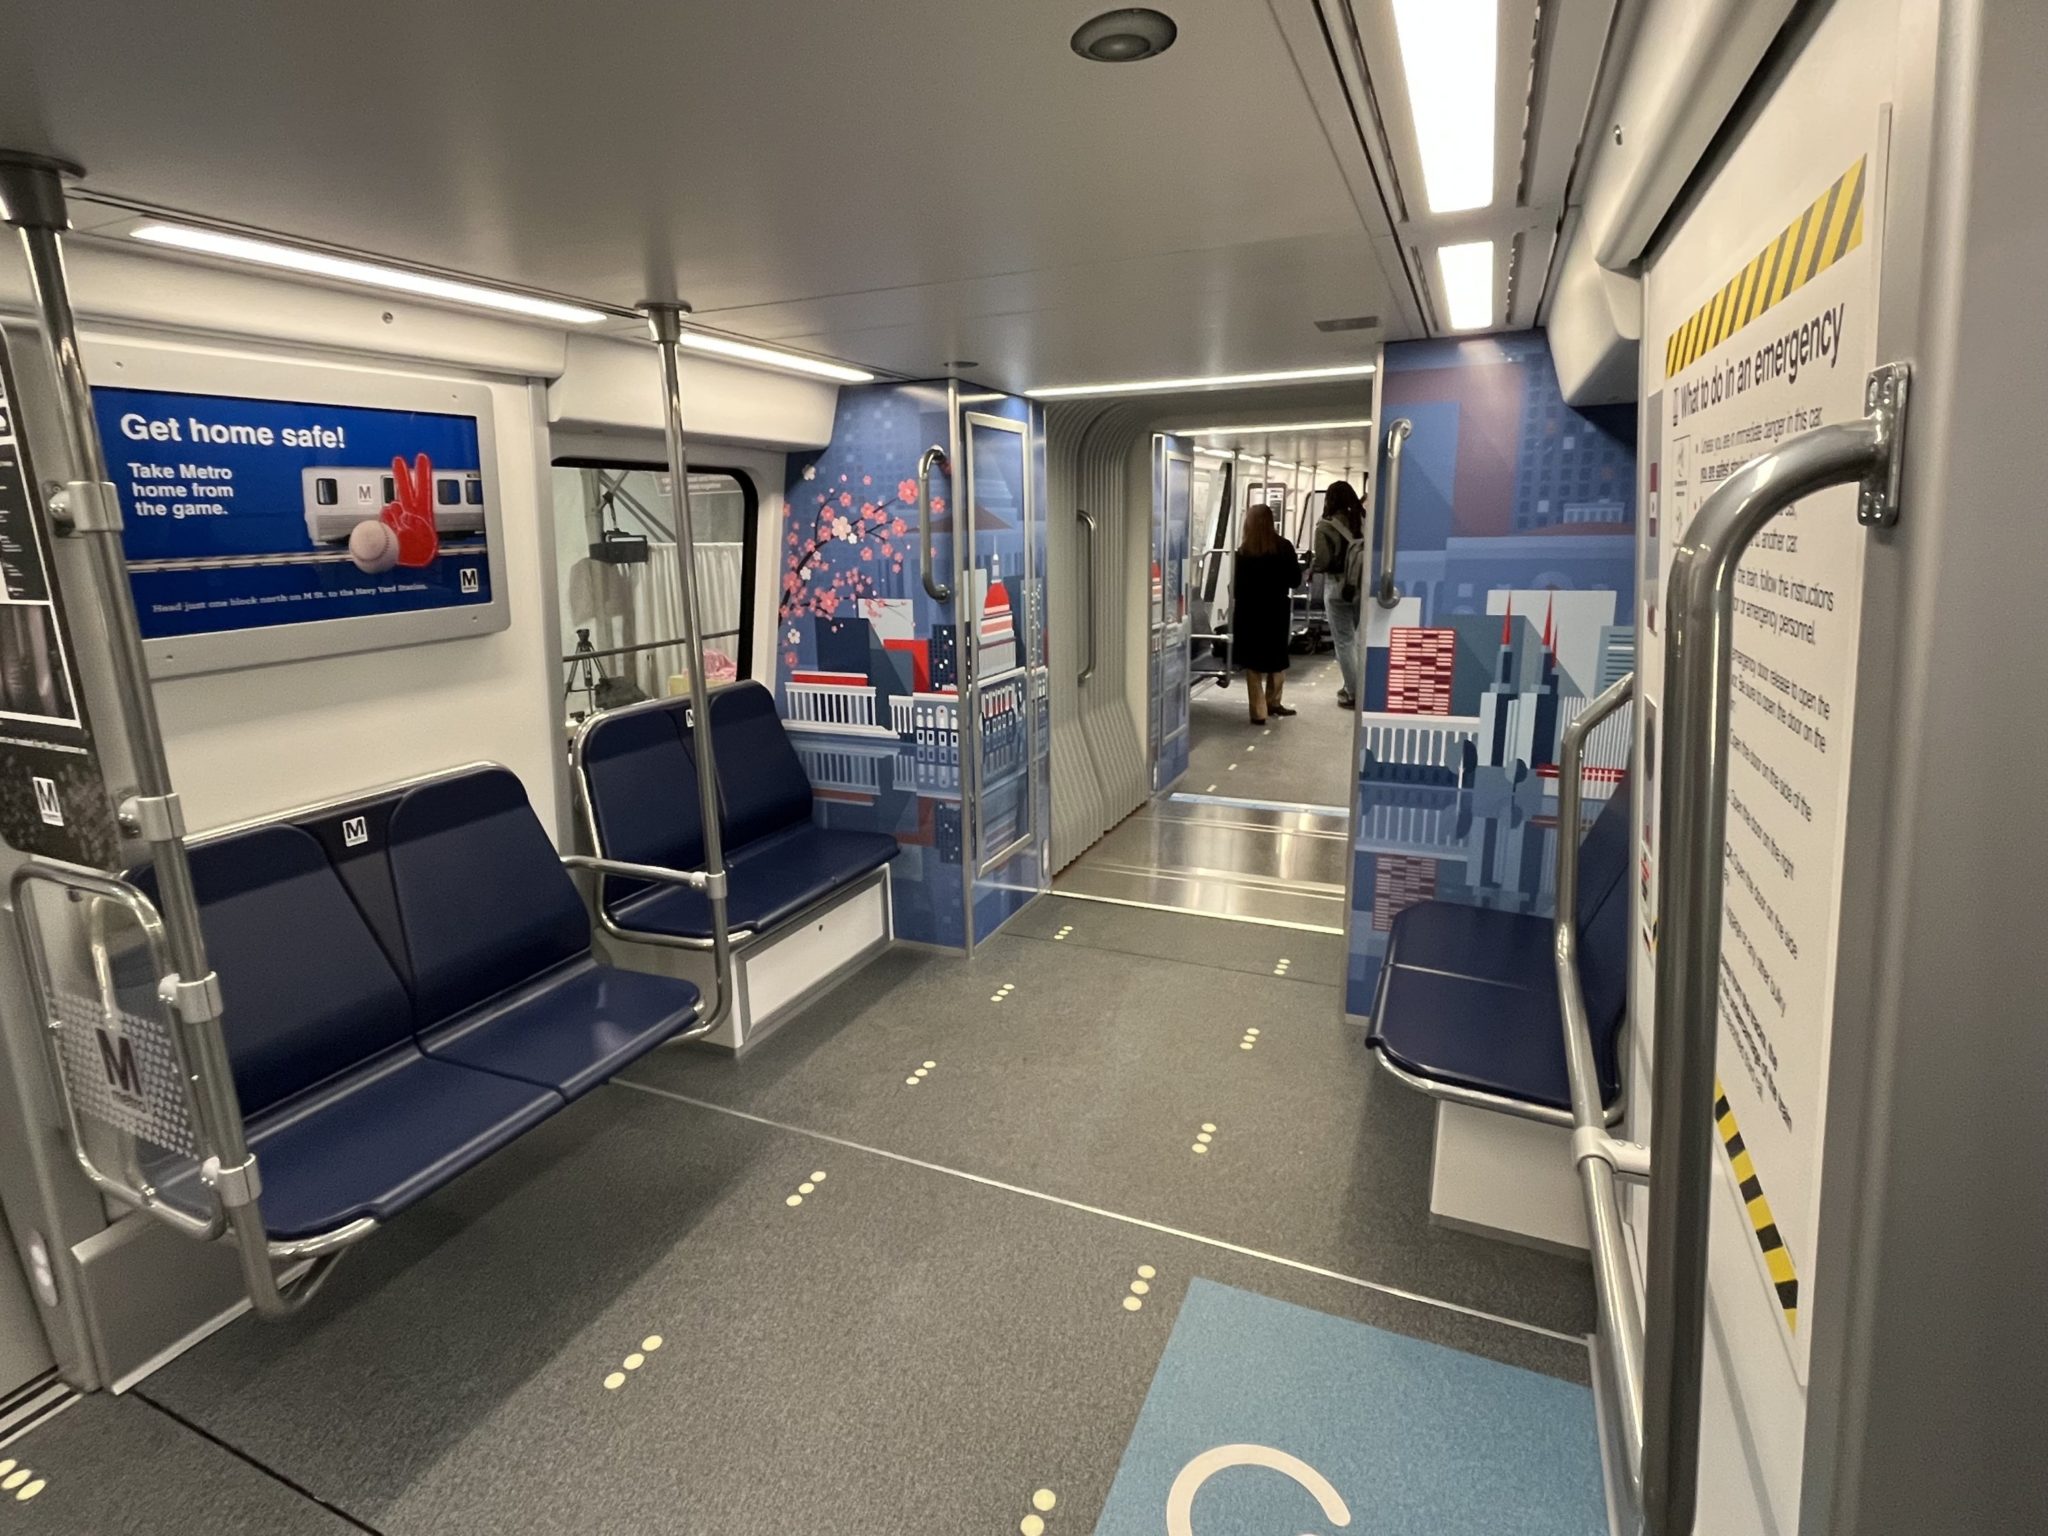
241,513
53,799
1782,346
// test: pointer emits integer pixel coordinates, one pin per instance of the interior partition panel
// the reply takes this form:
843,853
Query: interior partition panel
870,669
1514,597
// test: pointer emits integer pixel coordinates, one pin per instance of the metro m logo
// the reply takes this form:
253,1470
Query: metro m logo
355,831
471,579
117,1059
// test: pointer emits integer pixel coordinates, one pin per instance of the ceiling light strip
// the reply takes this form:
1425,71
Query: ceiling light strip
367,274
1468,284
1449,52
311,261
1214,381
1267,430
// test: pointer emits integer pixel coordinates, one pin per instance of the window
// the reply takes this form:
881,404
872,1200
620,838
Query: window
617,569
448,490
473,490
326,491
390,490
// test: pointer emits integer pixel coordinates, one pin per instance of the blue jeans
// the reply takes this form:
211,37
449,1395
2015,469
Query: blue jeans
1344,630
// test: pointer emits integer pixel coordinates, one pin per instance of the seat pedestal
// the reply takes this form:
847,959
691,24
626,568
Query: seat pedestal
1505,1176
776,973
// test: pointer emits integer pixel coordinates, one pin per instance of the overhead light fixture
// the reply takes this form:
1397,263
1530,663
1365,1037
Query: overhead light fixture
1262,430
1448,54
1215,381
772,357
1250,458
1468,283
370,274
1125,36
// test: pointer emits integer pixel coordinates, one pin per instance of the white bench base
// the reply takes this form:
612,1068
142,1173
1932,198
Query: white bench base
1504,1176
776,974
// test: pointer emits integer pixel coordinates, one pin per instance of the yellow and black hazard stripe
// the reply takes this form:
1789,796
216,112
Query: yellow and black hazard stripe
1829,229
1768,1239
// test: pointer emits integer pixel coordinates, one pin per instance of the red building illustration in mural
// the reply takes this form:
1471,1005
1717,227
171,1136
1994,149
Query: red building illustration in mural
1421,667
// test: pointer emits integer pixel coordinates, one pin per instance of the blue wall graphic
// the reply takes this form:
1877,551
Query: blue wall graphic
869,668
1516,578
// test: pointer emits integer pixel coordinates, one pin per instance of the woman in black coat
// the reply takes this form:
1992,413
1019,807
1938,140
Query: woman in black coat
1262,610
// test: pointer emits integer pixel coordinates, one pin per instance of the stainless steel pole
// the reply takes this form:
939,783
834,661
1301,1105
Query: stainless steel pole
1621,1317
87,508
1699,631
665,321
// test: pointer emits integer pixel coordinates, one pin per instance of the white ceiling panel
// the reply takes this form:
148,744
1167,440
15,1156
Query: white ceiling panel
894,183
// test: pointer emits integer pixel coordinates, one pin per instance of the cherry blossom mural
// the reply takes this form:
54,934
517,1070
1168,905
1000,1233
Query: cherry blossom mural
844,542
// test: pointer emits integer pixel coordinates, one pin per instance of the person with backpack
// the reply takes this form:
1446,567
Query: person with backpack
1263,578
1339,554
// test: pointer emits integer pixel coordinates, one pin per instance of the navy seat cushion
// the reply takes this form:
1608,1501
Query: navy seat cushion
307,993
767,882
569,1030
485,903
1512,948
1475,1034
380,1139
1468,996
642,783
761,780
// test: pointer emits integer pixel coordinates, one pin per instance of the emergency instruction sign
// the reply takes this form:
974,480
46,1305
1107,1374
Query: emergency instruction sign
1784,344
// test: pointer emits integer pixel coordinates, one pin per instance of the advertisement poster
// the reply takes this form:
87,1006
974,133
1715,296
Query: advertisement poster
1785,345
243,514
53,799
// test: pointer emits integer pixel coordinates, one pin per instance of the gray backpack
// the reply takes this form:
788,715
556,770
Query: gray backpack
1354,570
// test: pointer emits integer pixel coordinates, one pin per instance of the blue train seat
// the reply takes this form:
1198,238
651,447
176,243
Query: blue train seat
640,772
346,1116
498,944
1468,996
407,987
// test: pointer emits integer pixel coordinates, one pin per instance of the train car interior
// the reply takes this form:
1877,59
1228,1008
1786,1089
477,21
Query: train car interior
1228,768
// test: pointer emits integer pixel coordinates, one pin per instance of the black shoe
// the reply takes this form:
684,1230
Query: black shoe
1345,701
1284,710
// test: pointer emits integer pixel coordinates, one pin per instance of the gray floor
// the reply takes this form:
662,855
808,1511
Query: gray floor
981,1153
1304,758
1254,861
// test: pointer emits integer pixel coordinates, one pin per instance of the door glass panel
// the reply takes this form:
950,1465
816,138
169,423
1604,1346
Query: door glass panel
1000,637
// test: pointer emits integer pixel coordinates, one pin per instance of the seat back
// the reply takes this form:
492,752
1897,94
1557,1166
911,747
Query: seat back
483,902
641,778
1603,854
306,991
1604,929
761,780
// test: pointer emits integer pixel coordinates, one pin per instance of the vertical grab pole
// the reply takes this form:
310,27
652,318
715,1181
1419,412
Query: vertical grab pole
1594,1154
1693,815
665,320
87,508
1389,595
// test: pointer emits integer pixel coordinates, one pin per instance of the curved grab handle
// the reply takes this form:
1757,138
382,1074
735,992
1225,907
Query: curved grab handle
1087,520
938,590
1693,811
1397,433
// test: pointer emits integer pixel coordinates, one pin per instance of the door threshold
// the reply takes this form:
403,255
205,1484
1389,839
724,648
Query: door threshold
1220,917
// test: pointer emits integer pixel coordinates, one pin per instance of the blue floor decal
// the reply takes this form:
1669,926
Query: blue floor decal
1267,1419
